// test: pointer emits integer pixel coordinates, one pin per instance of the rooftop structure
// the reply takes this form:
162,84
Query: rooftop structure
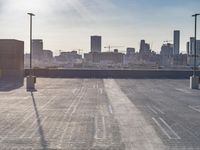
11,58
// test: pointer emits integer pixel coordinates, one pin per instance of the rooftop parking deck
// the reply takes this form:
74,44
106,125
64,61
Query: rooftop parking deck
106,114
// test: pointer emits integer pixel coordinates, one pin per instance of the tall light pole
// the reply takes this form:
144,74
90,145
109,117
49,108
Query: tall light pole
195,44
31,15
194,80
31,79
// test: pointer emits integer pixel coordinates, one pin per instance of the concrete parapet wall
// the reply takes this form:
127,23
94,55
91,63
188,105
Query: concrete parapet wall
123,74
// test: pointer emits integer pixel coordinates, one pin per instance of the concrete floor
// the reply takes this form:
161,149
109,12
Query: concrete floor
100,114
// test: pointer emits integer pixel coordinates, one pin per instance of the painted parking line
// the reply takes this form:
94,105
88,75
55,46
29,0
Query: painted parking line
110,109
100,90
16,128
194,108
154,111
183,90
74,91
166,129
100,128
158,109
161,128
168,126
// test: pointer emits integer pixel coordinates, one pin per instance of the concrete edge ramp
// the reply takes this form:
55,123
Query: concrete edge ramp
136,133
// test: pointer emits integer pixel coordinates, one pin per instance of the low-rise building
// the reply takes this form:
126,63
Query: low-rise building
47,56
71,57
179,60
104,57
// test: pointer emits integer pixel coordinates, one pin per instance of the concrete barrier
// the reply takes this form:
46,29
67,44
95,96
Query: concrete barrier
123,74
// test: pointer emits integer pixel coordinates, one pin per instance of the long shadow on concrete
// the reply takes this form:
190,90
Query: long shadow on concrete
7,85
43,141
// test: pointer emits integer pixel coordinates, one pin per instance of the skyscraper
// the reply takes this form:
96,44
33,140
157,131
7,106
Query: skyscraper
144,47
192,47
188,48
95,43
37,48
176,49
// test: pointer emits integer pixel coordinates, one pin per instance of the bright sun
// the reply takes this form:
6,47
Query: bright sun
29,5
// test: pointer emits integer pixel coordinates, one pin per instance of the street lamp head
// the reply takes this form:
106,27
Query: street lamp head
31,14
195,15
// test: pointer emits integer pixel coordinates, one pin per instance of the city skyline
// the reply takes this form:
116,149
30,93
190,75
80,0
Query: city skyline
64,23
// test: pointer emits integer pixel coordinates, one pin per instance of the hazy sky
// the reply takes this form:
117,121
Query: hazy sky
67,24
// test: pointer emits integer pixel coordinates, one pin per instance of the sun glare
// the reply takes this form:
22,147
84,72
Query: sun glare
28,5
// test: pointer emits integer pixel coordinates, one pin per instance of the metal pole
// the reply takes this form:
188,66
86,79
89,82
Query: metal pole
195,47
195,44
31,15
30,43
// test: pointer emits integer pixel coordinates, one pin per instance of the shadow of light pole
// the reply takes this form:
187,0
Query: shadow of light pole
43,141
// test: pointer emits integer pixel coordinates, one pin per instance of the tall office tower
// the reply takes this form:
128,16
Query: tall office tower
188,48
37,48
144,47
192,45
198,47
176,49
11,59
96,44
192,51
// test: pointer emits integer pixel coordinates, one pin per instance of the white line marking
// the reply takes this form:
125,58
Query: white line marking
71,131
110,109
188,130
28,129
160,111
73,106
100,128
152,109
74,91
27,118
96,127
193,108
161,128
104,127
101,91
53,126
97,85
38,127
177,137
184,91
